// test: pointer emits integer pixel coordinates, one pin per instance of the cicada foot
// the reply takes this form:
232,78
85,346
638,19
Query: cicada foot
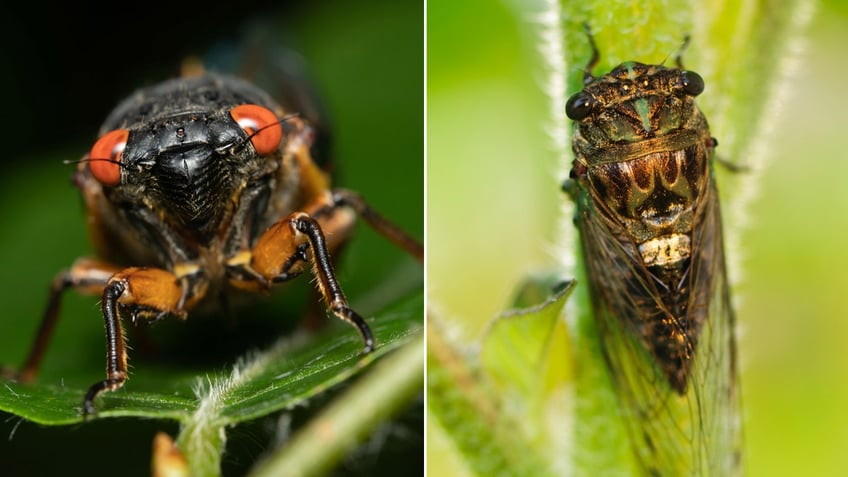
345,312
110,384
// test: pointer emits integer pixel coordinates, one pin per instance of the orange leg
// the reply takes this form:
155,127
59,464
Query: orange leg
149,293
143,292
282,253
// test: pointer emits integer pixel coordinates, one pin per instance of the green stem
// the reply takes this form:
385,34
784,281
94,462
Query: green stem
203,450
202,439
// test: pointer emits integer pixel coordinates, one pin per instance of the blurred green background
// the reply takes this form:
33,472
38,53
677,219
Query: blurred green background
61,78
493,216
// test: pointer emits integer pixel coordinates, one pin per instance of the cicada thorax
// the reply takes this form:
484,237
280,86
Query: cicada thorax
643,154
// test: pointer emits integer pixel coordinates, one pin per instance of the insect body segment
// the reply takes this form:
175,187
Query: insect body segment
199,188
650,228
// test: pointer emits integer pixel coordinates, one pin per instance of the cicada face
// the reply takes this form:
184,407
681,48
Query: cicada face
174,162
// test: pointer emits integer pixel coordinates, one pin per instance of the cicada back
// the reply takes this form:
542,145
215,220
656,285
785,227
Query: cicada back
650,229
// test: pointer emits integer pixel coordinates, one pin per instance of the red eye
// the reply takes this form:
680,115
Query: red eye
105,157
261,124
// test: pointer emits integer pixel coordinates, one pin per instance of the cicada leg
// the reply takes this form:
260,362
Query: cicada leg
149,293
282,253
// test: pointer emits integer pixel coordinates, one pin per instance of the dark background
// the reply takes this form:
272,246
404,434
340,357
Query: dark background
65,68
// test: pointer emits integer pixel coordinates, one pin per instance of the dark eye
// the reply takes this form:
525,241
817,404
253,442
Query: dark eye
579,106
693,84
261,124
104,159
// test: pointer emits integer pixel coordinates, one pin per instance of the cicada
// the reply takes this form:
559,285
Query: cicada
647,210
199,189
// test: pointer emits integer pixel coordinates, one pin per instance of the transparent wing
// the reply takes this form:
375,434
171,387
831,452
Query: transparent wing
673,434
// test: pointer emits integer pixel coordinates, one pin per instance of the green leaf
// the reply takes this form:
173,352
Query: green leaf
278,379
526,352
56,405
284,376
281,377
496,405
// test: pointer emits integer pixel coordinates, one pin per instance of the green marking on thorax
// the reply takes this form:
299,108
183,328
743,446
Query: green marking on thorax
640,104
642,108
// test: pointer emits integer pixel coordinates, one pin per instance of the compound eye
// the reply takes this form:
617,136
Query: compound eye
104,159
693,84
261,125
579,106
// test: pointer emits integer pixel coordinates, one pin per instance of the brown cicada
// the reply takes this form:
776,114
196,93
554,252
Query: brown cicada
200,188
650,229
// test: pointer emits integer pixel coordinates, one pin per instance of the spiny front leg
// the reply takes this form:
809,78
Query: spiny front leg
328,285
143,293
282,252
116,350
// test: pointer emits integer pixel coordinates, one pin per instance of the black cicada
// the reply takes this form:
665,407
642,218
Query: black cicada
650,228
199,191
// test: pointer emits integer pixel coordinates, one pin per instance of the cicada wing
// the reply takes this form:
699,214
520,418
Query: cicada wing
692,433
714,387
